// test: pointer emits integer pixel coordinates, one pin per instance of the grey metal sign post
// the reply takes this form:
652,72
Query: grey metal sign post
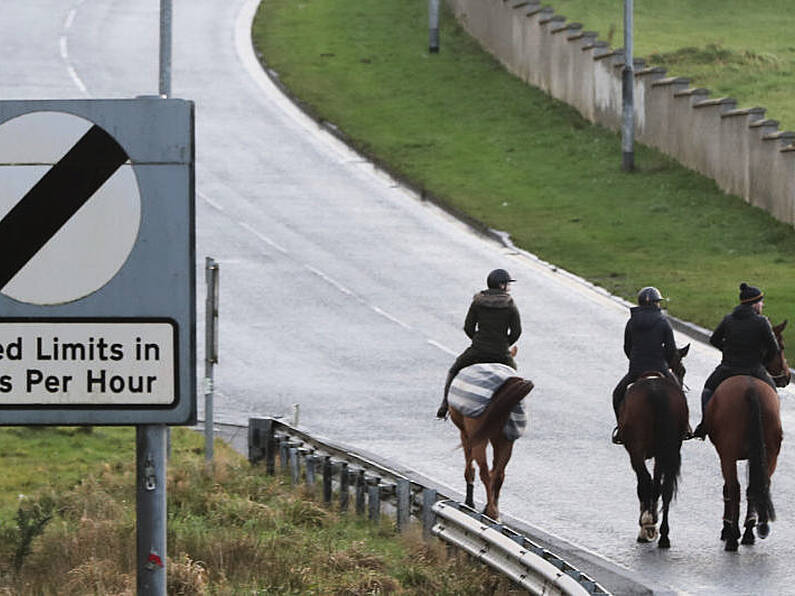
628,94
151,440
433,26
211,274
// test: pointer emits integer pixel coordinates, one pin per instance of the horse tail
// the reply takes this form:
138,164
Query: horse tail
758,480
667,436
494,417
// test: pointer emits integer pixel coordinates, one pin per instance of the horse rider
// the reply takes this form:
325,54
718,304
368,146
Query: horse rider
648,343
493,324
747,341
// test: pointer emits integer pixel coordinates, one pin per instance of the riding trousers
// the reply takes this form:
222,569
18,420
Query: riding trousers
723,372
621,389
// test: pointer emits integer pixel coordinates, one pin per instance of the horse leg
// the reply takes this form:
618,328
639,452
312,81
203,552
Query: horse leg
479,455
648,527
731,505
750,520
667,496
469,472
502,454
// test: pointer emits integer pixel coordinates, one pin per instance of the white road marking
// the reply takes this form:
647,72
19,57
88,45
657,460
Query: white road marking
210,202
444,349
64,50
264,238
70,18
331,281
386,315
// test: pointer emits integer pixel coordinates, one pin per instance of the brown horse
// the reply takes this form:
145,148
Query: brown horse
477,433
653,420
744,423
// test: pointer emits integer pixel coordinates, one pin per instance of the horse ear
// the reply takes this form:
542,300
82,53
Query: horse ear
780,327
683,351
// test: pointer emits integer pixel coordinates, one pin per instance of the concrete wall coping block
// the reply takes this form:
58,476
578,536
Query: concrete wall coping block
742,112
787,149
671,81
781,135
520,4
650,70
567,27
692,91
538,8
595,44
580,34
761,123
637,63
719,101
551,19
608,54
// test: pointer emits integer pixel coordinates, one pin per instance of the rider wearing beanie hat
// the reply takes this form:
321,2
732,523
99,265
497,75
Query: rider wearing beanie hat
747,341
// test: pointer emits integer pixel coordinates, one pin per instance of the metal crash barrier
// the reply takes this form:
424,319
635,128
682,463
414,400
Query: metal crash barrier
534,568
368,485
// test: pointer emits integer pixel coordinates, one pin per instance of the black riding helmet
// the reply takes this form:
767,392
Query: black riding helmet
497,278
649,295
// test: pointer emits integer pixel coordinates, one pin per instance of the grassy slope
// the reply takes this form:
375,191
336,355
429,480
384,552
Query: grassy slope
483,142
738,48
233,531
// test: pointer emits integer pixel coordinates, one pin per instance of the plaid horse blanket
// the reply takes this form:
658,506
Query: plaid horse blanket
473,387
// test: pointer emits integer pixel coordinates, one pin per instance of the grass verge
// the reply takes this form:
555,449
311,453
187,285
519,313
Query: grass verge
232,531
458,126
740,48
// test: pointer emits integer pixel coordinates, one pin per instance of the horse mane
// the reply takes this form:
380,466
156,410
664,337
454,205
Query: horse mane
494,417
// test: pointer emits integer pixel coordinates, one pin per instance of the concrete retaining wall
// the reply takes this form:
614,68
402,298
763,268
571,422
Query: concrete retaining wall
742,151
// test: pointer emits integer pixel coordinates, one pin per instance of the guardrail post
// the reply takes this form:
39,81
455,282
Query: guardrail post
374,500
344,486
403,492
260,437
327,480
283,445
428,516
310,469
294,467
361,485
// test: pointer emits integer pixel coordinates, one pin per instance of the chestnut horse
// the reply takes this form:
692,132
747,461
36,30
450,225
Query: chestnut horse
744,423
489,427
653,419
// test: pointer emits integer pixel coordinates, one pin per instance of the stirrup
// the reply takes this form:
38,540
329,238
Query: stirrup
700,433
615,438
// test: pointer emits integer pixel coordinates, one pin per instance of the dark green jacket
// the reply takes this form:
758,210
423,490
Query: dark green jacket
493,322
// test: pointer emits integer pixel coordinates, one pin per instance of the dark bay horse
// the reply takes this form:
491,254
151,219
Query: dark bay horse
488,427
653,420
744,422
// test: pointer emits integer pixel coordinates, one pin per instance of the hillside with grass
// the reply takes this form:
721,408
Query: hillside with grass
67,526
479,141
736,48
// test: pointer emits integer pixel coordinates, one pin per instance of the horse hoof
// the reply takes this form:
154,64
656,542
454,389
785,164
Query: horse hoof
748,538
763,530
731,545
664,542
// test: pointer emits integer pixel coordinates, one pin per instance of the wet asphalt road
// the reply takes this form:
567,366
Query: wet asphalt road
344,293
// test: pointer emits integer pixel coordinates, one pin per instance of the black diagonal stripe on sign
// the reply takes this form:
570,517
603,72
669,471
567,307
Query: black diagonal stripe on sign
55,198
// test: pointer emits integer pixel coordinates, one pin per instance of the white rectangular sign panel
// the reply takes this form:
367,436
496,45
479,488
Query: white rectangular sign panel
88,363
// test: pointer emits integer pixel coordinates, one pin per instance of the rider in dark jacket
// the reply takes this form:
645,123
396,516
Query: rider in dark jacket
648,343
747,341
493,324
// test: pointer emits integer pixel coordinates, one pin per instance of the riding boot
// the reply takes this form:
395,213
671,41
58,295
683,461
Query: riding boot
701,429
442,411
